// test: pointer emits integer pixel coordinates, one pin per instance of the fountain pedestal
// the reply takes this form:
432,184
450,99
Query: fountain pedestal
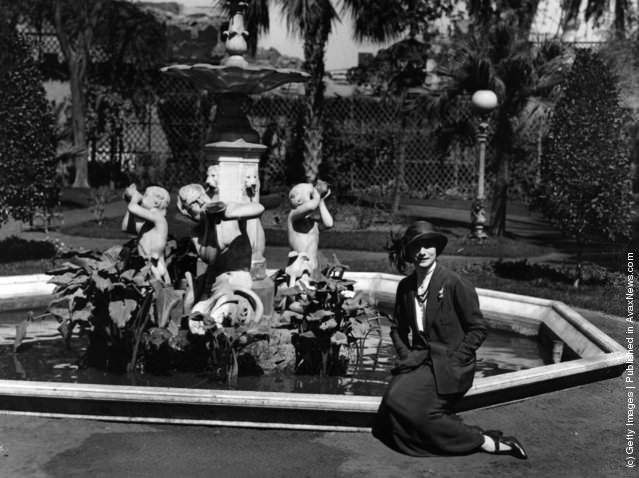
238,163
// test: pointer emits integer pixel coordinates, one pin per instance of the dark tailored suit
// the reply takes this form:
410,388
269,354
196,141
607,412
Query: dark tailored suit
435,369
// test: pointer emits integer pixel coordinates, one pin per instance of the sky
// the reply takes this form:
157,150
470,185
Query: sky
341,52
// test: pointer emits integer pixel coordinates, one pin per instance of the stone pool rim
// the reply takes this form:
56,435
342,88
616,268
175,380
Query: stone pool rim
600,357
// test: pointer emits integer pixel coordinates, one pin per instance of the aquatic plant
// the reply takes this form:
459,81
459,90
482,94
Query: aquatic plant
326,317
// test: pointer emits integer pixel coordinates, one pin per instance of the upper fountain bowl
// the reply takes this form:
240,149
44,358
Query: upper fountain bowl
246,80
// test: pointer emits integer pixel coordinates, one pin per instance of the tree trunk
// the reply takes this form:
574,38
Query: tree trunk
620,19
314,45
76,73
400,172
500,198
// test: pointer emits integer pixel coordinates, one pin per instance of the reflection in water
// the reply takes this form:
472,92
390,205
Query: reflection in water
47,358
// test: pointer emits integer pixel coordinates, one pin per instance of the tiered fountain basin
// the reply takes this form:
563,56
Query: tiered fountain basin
587,355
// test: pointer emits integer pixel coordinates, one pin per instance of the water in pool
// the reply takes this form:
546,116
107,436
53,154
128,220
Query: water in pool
45,357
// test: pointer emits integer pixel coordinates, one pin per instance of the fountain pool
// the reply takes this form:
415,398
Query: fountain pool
581,352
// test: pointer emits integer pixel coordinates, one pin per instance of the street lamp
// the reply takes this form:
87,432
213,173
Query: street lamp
484,102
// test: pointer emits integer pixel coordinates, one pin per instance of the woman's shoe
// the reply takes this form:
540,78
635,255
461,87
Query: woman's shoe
516,449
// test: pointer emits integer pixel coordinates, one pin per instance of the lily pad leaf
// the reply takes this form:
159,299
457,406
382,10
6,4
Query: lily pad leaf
120,311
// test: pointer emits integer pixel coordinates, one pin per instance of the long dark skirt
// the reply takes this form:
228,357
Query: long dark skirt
413,419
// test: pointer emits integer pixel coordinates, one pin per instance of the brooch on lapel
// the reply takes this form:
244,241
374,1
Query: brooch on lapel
440,294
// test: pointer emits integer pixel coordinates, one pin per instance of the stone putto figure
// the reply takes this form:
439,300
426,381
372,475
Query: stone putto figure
303,223
219,236
146,217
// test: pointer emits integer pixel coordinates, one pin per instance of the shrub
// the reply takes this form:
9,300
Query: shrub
14,249
28,179
586,185
593,274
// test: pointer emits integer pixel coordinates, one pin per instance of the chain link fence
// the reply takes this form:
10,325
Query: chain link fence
366,139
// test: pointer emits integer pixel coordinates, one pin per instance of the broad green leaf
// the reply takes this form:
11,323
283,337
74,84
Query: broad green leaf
112,254
66,329
129,274
319,315
62,313
339,338
157,336
120,311
168,302
328,325
65,267
101,283
83,314
358,330
63,279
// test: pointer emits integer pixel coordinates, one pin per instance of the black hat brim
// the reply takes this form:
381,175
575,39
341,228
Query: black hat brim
428,239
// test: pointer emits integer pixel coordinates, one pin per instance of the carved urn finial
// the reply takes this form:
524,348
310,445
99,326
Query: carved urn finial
235,36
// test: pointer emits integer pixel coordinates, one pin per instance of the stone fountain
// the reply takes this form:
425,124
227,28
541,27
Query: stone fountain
234,151
234,146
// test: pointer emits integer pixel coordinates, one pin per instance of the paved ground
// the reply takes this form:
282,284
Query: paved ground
577,432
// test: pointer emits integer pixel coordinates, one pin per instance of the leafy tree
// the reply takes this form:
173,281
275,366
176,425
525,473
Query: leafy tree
85,28
27,143
586,185
397,73
499,58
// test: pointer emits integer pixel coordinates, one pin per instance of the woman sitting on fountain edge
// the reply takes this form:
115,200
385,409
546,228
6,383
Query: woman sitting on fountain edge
436,368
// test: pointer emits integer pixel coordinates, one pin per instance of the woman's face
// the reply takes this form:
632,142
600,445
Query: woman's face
423,256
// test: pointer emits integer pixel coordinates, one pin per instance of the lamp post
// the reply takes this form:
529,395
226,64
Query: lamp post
484,102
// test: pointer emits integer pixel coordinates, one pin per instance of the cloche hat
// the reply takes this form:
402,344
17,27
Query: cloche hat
422,233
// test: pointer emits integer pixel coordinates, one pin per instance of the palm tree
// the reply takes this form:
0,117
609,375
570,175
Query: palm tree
313,21
498,58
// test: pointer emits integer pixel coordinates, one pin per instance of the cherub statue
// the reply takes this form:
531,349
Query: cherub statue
303,228
146,217
219,236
